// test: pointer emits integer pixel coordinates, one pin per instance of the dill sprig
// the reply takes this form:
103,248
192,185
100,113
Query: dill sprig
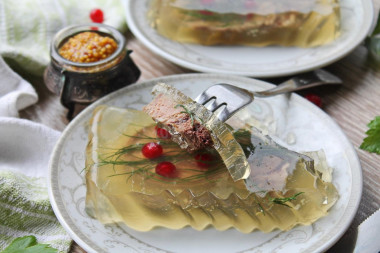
261,208
208,15
282,201
186,111
129,157
145,137
136,171
199,15
202,174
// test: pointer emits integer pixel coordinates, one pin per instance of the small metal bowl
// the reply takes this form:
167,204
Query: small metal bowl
83,83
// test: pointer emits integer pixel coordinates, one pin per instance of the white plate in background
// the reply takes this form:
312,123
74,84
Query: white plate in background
356,18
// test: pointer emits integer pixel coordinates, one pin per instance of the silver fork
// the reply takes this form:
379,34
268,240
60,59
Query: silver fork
234,98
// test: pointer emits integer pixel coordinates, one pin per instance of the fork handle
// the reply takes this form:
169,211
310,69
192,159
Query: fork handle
304,81
285,87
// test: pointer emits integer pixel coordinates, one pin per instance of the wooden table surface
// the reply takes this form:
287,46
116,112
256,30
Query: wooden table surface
352,106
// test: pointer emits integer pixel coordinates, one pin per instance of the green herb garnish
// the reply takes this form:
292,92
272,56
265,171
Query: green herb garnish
261,208
372,142
146,167
186,111
200,15
243,137
224,20
282,201
28,244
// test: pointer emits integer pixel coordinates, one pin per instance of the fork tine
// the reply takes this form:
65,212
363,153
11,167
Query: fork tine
214,105
203,98
235,98
224,114
222,94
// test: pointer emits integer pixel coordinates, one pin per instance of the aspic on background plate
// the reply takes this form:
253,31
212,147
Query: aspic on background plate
264,62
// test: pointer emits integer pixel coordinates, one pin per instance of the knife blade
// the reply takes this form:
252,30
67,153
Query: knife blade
368,239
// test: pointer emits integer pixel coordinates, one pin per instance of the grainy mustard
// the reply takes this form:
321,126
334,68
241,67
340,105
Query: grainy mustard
88,47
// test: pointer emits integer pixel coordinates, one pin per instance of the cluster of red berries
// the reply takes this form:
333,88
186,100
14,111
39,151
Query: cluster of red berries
153,150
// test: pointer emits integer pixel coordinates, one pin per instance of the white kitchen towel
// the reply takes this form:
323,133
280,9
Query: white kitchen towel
25,149
15,93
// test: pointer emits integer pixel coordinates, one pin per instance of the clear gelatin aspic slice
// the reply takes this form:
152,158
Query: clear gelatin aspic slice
194,127
301,23
124,186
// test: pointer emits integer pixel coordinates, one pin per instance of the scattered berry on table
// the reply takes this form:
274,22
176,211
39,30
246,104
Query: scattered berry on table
315,99
166,169
97,15
152,150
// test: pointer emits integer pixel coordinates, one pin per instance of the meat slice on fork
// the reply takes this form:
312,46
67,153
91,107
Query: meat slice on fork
184,127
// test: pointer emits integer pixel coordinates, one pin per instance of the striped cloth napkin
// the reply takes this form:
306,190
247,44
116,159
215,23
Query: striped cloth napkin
26,29
25,149
25,209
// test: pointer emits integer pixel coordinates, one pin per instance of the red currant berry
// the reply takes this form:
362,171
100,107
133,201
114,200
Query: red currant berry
162,133
315,99
97,16
204,160
166,169
249,16
152,150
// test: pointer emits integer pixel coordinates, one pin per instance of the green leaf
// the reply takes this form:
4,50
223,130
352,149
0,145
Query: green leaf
372,42
28,244
377,28
372,142
39,248
21,243
373,46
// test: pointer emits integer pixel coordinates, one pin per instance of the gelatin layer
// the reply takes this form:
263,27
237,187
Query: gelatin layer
303,23
224,142
123,187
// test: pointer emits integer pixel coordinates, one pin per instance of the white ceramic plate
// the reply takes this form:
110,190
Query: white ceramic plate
356,15
292,121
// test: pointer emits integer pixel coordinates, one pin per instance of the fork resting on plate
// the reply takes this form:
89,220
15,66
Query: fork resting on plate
235,98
